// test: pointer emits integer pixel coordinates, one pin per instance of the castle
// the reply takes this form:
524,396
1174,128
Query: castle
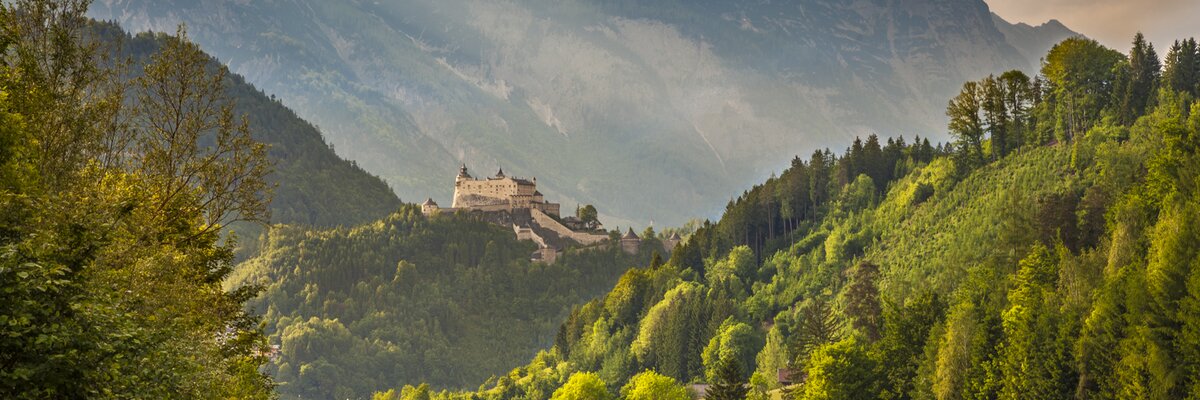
498,193
516,202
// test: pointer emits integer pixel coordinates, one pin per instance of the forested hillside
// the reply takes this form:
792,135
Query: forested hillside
311,184
449,300
1049,252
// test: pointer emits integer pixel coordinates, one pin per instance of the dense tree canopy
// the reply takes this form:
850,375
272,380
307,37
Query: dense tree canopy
111,252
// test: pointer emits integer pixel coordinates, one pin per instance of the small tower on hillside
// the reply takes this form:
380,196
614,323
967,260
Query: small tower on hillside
630,242
671,242
429,208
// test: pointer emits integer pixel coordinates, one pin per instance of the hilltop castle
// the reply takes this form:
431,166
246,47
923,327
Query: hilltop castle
498,193
516,202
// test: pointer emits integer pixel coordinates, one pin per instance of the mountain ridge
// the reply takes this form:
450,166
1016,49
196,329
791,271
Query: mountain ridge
602,99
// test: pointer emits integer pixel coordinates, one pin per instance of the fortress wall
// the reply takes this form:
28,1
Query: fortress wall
529,234
547,222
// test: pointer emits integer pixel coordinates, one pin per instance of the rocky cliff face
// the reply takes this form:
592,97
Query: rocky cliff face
1032,41
652,111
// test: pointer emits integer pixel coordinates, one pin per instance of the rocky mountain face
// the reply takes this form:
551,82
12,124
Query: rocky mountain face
653,111
1032,41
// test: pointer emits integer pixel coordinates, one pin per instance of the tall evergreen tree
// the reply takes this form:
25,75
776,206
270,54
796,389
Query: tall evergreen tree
1141,79
862,300
729,385
818,325
1182,72
1032,358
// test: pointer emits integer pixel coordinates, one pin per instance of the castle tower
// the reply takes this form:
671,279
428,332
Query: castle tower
630,242
429,207
462,174
671,242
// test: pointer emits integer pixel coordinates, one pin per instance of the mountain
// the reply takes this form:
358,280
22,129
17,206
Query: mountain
312,185
1032,41
651,111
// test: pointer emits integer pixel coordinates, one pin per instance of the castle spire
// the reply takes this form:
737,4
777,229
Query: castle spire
462,172
500,173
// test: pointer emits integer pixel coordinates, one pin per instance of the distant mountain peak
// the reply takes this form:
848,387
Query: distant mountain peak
1033,41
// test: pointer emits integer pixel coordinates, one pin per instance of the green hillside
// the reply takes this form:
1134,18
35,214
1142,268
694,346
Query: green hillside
1049,253
447,300
312,185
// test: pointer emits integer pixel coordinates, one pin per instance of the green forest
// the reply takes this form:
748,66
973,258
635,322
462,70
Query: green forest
133,171
169,231
449,300
1048,252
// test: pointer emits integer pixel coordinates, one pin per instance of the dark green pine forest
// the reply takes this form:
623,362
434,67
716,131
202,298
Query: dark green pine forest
169,231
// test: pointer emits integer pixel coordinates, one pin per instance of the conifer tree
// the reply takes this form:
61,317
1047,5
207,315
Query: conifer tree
1182,72
1141,77
818,326
729,385
862,300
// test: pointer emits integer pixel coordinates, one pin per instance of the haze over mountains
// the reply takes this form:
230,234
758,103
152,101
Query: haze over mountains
649,111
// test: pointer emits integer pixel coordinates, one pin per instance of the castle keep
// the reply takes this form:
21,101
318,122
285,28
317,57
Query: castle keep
499,193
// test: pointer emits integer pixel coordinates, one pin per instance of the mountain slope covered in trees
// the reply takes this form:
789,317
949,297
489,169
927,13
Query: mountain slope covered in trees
691,98
448,300
312,185
1048,253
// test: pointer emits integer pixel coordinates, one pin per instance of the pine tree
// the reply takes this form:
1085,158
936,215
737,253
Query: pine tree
1031,361
1141,76
862,301
1183,67
729,384
818,326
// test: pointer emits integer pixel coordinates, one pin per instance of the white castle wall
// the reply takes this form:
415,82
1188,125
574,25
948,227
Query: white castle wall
583,238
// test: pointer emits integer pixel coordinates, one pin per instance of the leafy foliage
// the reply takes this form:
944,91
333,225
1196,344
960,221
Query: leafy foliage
112,257
650,385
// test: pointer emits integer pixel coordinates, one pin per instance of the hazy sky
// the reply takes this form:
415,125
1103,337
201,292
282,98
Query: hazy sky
1112,22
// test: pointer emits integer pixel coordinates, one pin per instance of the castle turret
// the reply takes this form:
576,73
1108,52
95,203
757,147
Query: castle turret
462,174
671,242
630,242
429,207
